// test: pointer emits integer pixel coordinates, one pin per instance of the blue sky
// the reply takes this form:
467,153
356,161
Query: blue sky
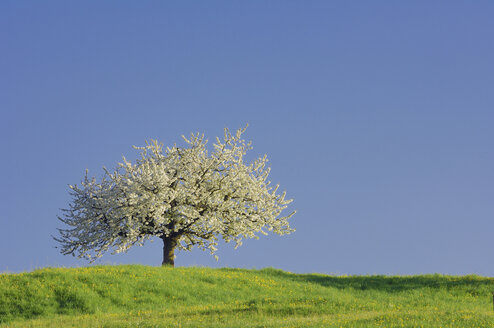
377,118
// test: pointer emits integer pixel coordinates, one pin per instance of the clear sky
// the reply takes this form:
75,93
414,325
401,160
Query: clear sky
377,118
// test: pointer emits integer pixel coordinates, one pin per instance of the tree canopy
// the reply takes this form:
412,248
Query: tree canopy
187,196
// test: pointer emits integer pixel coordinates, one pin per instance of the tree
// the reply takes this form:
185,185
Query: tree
184,195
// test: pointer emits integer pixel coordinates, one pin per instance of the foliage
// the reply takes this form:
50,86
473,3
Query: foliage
140,296
185,195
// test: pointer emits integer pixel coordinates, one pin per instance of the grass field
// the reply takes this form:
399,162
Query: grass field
141,296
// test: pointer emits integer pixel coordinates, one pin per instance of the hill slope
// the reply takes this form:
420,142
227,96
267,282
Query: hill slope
140,296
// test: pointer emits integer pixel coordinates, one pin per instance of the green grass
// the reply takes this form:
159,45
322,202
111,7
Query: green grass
140,296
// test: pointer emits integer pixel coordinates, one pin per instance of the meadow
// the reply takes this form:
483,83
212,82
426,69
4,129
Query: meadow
142,296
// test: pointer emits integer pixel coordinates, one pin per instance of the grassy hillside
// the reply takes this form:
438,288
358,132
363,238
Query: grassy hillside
140,296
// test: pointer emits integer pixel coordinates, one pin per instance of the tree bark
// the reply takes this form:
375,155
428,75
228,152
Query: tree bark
169,244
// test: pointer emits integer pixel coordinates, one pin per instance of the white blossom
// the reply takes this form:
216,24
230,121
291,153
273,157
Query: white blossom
190,193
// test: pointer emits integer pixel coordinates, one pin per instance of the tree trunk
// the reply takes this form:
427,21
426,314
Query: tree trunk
169,244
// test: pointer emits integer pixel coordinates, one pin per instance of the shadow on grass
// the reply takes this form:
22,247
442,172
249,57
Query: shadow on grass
471,284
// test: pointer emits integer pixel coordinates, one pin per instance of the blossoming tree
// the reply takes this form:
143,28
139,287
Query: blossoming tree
186,196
